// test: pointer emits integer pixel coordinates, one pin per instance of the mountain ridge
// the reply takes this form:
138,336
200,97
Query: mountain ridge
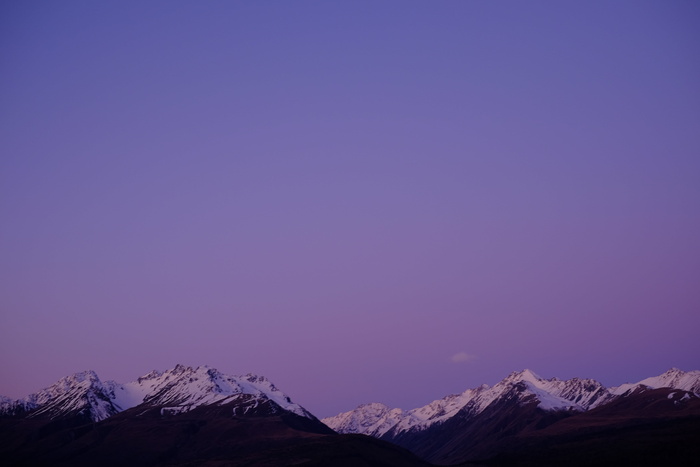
200,416
575,394
525,414
179,389
183,416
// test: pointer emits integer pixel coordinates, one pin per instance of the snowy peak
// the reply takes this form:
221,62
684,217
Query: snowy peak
442,409
673,378
77,383
178,390
373,419
523,376
80,394
189,387
555,394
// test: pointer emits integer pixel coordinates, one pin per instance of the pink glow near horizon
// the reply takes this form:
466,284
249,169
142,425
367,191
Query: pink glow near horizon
362,201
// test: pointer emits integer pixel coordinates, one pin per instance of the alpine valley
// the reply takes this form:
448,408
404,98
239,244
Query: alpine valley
199,416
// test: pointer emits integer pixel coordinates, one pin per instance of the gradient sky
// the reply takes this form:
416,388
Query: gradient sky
365,201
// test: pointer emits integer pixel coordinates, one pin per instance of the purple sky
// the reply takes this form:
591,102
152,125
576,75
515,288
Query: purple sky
348,196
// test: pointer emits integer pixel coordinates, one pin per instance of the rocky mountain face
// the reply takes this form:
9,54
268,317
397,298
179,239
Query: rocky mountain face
487,422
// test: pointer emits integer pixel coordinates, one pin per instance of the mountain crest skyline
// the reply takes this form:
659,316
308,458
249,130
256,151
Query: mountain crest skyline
478,423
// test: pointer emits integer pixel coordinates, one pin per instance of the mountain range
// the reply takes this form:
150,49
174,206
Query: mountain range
183,416
174,391
514,415
200,416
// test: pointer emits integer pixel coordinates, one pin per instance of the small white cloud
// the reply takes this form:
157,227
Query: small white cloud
462,357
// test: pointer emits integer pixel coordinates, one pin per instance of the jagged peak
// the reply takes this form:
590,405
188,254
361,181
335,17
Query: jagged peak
83,379
200,371
180,371
153,374
374,405
524,375
180,368
81,376
375,408
254,378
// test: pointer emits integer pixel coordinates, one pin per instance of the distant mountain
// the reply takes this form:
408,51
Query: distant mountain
183,416
511,417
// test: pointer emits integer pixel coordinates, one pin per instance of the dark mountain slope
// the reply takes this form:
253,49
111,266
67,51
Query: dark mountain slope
647,427
207,435
183,416
529,420
482,435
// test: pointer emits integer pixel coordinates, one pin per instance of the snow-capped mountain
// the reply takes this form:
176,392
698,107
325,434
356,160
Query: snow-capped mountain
371,419
177,416
527,412
552,394
182,416
79,394
185,388
177,390
549,394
